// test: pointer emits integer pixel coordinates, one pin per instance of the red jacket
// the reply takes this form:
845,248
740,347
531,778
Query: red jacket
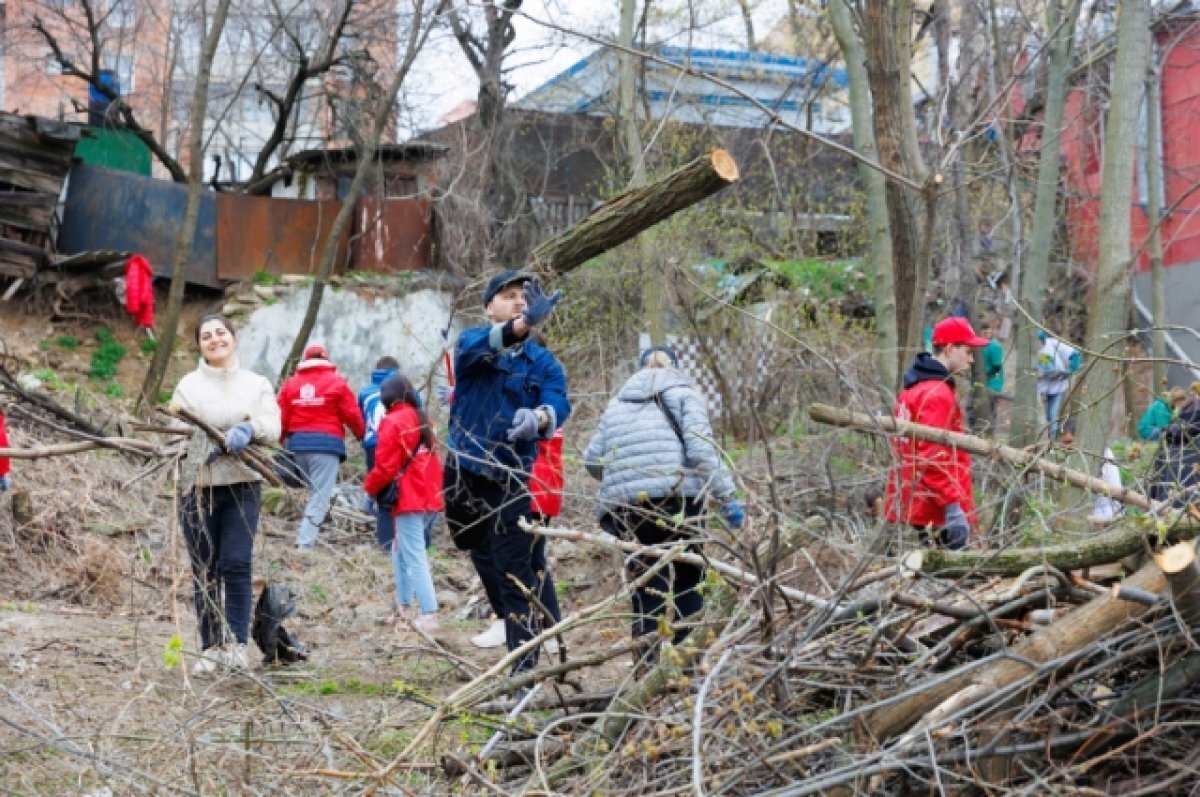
4,463
139,291
546,477
926,477
317,399
398,445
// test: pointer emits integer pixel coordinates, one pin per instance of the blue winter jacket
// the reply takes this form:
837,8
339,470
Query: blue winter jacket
496,374
368,404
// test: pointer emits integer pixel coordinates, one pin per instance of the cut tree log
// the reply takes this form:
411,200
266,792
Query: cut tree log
1179,565
635,211
887,425
972,683
1111,546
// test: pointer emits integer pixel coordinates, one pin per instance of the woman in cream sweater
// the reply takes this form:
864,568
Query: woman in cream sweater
219,514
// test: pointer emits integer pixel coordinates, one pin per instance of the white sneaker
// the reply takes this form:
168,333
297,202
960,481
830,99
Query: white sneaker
237,657
494,637
207,663
426,622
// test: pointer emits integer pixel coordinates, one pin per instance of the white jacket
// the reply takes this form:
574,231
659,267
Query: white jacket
224,397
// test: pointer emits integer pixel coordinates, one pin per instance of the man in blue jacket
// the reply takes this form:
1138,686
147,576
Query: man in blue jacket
372,411
509,393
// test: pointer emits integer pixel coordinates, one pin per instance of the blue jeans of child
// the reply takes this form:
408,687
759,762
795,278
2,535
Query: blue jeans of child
410,564
1053,409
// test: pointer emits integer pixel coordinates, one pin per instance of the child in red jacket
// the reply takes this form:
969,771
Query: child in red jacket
404,453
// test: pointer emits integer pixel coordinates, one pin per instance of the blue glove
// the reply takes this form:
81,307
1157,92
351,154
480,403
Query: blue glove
539,306
4,483
733,513
445,394
239,437
524,425
957,529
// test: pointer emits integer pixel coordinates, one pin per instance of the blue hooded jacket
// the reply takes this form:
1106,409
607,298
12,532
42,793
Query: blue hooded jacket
497,374
368,403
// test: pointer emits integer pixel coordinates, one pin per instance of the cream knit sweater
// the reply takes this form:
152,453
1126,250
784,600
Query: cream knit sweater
225,397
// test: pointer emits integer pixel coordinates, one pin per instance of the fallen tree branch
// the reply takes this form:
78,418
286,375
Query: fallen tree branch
636,210
887,425
1111,546
126,444
734,573
1081,627
43,400
251,457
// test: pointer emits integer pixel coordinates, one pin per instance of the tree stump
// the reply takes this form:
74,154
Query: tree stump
1179,565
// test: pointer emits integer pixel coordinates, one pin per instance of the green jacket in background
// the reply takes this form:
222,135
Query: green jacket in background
993,366
1156,418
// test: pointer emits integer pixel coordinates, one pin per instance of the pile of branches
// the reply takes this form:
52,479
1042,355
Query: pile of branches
1019,671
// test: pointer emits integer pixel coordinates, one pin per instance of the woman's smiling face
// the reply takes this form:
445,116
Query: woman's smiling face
217,342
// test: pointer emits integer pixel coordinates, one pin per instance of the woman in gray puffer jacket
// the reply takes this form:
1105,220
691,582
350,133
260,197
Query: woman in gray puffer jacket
654,455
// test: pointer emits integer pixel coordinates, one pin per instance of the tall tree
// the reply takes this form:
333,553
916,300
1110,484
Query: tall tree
887,33
1158,296
187,232
1062,16
420,26
509,217
1108,312
879,232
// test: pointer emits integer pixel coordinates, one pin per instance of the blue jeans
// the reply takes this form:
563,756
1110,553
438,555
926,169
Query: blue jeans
410,564
321,470
218,525
1053,408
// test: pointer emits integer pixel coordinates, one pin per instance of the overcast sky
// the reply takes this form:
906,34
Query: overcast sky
442,78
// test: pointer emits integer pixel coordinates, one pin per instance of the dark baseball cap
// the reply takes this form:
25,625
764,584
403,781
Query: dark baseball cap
500,281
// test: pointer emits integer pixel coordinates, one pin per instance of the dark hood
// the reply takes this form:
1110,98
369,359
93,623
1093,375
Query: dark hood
925,368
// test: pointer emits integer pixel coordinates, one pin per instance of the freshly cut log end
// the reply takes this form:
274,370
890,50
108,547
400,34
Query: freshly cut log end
910,566
724,165
1177,558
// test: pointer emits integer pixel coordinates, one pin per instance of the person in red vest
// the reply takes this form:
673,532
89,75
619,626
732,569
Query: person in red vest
316,404
929,484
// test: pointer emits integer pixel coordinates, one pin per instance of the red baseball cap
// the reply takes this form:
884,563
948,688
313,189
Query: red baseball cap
315,351
956,330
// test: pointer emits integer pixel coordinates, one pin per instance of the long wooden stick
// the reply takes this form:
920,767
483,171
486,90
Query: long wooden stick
887,425
63,449
635,211
251,458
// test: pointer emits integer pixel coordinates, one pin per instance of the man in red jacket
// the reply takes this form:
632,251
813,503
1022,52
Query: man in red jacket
315,404
929,485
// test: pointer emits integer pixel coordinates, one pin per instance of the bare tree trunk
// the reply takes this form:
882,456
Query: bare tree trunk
631,140
1158,296
1109,308
187,233
748,23
1061,19
879,236
379,123
887,29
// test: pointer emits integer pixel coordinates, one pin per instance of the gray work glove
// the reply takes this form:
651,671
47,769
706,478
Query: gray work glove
4,483
238,437
733,513
524,425
957,529
539,306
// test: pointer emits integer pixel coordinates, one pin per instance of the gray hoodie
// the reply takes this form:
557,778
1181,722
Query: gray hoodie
636,454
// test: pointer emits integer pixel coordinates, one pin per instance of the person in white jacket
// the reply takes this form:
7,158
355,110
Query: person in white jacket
219,508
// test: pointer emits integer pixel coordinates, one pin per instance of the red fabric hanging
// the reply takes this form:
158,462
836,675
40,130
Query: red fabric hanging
139,291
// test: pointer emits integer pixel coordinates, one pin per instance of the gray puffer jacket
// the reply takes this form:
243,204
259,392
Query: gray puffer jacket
636,454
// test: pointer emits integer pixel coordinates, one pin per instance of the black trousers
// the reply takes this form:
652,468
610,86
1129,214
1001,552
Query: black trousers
482,516
218,525
656,522
492,578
